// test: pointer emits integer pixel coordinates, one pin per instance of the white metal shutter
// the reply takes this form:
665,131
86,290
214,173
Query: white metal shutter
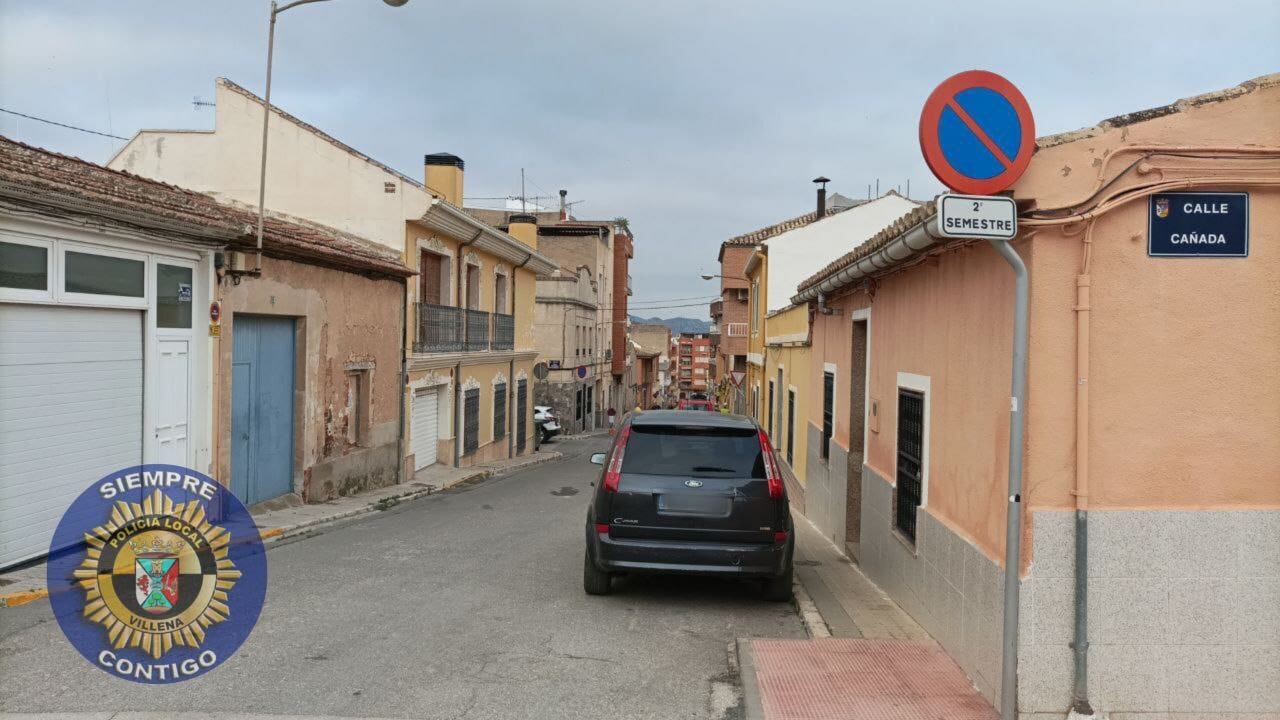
424,433
70,413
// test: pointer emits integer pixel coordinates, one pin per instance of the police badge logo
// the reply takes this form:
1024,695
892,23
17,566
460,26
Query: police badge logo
159,574
1162,207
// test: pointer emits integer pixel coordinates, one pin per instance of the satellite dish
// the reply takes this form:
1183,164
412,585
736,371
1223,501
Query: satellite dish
540,371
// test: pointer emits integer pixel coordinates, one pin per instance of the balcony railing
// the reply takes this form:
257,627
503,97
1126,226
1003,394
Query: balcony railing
442,328
477,337
737,330
504,331
439,328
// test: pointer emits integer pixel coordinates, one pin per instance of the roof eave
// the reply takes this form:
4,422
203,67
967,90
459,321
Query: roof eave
907,244
444,217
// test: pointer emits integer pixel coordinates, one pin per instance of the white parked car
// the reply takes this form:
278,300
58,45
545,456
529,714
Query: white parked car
548,424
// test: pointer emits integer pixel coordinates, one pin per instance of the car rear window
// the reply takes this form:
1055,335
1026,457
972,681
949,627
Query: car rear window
693,450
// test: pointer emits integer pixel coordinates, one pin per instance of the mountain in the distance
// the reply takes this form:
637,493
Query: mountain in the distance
677,324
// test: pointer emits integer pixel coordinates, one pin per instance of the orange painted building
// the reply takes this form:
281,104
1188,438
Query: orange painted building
1153,403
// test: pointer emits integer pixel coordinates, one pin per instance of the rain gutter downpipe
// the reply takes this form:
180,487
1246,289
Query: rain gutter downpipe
1013,520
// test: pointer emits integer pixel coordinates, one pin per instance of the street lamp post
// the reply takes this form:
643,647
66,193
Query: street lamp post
266,112
707,276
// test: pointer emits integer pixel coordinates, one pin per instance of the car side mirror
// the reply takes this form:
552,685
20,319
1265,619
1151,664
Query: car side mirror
597,458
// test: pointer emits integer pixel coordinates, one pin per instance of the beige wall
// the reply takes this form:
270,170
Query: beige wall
342,318
225,163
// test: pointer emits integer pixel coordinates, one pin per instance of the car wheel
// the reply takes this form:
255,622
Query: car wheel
594,580
778,589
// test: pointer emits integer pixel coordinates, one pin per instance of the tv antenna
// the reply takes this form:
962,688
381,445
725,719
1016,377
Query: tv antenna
197,103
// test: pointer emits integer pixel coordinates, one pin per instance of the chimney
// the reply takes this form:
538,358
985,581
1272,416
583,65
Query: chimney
564,206
821,181
443,176
524,228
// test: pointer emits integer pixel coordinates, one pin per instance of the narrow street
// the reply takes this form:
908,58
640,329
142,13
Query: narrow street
464,604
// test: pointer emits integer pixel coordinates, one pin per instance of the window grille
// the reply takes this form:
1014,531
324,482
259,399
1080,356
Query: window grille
828,400
910,458
499,411
471,423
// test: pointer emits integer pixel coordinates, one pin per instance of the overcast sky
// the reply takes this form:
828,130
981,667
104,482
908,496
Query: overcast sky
696,119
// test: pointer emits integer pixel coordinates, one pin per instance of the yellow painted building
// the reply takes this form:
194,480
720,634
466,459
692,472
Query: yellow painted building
778,375
787,375
469,334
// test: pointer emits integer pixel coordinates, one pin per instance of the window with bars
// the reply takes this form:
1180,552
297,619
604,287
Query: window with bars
522,419
769,424
791,425
499,411
910,461
828,409
471,421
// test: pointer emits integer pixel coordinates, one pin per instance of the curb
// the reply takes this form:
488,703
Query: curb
273,535
815,626
752,706
22,597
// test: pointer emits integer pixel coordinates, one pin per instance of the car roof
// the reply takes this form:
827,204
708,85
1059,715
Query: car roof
692,417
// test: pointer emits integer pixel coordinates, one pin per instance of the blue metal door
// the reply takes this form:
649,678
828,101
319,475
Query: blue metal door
261,407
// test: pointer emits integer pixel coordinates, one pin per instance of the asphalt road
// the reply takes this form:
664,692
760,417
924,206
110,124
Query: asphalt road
464,604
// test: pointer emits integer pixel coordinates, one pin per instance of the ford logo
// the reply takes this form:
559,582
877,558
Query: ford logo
693,483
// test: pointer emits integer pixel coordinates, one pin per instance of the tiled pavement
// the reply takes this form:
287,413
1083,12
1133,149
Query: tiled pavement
879,664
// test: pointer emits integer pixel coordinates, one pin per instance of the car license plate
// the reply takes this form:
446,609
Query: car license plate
695,504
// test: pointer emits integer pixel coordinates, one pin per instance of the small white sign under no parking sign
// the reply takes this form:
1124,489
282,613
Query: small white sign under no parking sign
991,217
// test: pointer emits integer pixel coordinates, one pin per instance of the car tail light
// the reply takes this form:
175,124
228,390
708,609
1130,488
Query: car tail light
603,528
613,474
778,537
771,472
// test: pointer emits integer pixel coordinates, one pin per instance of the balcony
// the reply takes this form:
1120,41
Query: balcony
477,337
439,328
737,329
504,331
442,328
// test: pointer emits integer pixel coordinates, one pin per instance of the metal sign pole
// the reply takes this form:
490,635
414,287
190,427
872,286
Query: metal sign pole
1013,521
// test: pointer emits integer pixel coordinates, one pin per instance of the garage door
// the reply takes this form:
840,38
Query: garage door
426,404
70,413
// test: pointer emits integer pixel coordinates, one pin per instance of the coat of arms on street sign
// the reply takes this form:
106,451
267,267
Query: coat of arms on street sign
156,574
1162,207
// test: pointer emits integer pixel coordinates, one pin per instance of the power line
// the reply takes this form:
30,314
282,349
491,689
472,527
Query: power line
662,300
62,125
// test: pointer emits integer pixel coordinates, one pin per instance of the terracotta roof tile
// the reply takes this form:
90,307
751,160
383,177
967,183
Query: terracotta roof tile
43,178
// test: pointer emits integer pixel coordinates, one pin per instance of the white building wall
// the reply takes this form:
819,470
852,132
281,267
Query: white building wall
308,175
796,255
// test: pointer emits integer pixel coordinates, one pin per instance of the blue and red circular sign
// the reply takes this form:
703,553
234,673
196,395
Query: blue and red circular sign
977,133
156,574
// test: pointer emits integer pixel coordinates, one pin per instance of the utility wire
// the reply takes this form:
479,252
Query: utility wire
62,125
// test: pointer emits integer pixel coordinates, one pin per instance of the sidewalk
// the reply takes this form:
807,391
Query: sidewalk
27,584
866,658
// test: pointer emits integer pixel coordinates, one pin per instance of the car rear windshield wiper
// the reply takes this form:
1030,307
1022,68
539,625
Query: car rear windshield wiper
712,468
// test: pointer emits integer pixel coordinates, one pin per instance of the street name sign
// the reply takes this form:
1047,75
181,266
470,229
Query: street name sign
977,216
1198,224
977,133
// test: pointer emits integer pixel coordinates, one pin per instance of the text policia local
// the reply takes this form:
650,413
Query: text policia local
157,479
964,223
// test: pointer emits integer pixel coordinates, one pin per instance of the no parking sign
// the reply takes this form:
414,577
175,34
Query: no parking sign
977,133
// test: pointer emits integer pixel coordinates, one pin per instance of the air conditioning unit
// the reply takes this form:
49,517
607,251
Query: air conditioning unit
608,354
239,262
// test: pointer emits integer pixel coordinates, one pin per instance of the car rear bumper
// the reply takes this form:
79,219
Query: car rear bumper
617,555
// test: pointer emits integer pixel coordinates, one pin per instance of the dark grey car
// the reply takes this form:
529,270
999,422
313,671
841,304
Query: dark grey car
689,492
